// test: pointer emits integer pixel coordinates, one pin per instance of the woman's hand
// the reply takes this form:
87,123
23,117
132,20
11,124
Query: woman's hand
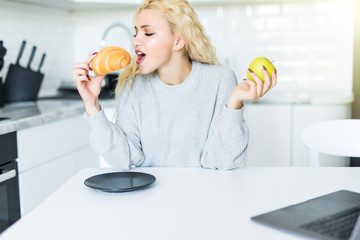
89,87
251,90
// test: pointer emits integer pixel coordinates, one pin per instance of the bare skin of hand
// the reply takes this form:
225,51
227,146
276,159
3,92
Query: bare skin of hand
88,87
251,90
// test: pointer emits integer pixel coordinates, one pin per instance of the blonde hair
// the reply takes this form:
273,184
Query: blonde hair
182,20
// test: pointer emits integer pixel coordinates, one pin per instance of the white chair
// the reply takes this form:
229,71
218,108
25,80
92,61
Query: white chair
335,137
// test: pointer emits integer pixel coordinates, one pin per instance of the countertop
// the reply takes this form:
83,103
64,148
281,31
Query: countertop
25,115
20,116
183,203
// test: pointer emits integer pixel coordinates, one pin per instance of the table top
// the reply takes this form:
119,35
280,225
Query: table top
183,203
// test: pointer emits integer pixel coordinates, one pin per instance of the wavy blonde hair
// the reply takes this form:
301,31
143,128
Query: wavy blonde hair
182,20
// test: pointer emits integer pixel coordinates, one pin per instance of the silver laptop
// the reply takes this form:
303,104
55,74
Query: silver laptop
332,216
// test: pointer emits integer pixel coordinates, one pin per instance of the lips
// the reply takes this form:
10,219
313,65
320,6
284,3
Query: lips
141,57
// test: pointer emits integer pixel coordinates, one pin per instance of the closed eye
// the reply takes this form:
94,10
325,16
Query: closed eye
146,34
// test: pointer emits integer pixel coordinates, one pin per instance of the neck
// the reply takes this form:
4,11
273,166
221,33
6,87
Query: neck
176,71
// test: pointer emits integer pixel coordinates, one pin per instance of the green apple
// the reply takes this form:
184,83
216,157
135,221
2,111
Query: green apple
257,65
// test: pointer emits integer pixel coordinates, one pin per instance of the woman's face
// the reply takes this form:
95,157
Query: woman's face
153,41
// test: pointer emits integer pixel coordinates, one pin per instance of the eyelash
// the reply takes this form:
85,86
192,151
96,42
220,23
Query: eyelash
146,34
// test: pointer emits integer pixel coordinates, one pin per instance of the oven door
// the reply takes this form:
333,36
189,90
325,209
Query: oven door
9,195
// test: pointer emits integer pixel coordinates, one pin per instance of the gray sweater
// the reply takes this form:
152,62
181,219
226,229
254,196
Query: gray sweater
184,125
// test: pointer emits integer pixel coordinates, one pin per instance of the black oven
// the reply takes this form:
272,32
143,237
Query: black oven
9,183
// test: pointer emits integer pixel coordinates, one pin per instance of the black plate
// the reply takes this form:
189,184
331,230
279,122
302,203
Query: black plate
120,181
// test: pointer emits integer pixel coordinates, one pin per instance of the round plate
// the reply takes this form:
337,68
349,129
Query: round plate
120,181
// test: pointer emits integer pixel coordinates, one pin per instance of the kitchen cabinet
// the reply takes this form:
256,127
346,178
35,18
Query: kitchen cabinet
49,155
270,134
276,130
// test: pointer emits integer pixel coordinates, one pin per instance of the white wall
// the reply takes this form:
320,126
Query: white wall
311,42
49,29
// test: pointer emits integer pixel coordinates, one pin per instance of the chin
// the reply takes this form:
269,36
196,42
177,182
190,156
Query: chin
144,70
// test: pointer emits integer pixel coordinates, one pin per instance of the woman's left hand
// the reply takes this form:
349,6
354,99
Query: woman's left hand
251,90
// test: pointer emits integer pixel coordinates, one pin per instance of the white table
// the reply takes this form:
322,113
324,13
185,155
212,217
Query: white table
184,203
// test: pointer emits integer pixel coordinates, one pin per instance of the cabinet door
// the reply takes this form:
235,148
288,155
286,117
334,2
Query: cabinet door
40,144
49,155
39,182
270,134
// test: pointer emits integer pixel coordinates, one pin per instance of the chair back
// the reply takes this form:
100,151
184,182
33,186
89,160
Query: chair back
335,137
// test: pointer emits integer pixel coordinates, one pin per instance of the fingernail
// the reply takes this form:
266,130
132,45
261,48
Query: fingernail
94,53
90,68
275,70
250,70
244,79
264,68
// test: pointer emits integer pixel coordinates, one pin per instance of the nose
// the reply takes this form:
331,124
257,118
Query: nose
137,41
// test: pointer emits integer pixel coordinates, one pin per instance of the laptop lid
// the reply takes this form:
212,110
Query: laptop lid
291,218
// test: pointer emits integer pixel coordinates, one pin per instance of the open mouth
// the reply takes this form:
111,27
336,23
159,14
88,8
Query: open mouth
141,57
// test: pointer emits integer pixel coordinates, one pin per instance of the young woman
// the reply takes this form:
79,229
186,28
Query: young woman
176,105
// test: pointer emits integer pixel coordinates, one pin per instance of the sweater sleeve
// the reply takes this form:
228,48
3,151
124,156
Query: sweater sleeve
228,137
118,143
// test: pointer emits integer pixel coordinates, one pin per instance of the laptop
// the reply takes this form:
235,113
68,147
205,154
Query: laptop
331,216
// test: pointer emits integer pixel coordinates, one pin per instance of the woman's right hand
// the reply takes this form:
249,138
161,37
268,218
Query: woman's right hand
88,87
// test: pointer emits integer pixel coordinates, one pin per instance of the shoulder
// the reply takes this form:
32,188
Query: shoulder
218,73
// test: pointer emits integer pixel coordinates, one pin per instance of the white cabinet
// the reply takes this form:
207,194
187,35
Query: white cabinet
276,130
49,155
270,134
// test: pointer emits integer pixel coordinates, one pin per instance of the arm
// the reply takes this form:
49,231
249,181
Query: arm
118,143
88,87
120,148
228,136
227,141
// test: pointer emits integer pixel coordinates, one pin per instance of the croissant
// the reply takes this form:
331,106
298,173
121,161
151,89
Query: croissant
110,59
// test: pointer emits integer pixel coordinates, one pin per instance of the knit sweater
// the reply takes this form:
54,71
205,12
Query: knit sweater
184,125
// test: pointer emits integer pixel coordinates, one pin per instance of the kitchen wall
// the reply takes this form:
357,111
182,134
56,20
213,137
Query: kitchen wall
49,29
310,42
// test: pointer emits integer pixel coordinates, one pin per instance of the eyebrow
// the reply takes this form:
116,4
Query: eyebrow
144,26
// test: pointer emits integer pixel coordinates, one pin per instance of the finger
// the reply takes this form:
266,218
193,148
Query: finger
81,66
273,79
80,71
267,80
80,76
252,88
259,82
90,58
81,80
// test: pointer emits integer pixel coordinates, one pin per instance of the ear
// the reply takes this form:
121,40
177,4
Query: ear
179,43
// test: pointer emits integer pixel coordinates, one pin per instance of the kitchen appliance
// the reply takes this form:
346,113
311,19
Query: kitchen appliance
9,182
2,54
23,84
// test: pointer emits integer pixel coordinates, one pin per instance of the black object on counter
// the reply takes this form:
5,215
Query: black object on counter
2,54
23,84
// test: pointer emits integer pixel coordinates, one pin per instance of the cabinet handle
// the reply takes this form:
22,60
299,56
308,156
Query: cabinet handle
7,175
